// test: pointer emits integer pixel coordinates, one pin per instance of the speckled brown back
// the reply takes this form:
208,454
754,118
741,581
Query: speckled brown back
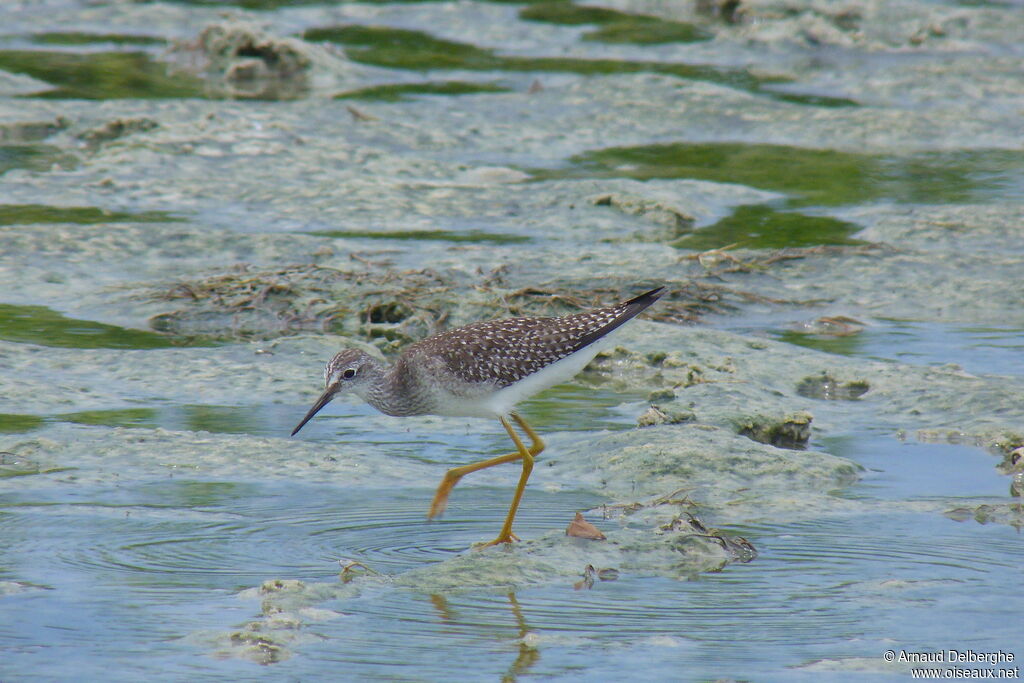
502,352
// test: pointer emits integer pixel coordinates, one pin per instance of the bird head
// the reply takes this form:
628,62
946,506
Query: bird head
349,370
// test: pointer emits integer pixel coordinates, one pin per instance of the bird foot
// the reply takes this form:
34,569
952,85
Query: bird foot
440,502
502,538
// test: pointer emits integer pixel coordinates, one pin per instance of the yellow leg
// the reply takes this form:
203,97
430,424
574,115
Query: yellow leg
506,535
452,477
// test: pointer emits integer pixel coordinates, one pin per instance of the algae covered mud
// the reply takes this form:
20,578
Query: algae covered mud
806,455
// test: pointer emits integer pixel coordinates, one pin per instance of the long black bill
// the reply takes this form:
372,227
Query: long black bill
324,399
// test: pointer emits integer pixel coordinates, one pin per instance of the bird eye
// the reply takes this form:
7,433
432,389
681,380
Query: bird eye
349,373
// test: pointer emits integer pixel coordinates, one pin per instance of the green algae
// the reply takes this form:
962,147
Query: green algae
197,418
811,100
416,50
616,26
809,178
270,5
24,468
759,226
124,417
820,176
33,157
221,419
467,236
813,177
74,38
419,51
844,345
29,214
45,327
17,424
396,92
405,49
100,75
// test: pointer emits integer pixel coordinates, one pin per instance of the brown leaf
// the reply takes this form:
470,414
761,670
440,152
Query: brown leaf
581,528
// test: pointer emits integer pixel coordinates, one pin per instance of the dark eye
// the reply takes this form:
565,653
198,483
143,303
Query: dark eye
349,374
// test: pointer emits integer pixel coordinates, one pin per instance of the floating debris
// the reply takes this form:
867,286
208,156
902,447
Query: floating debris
792,431
831,326
827,387
656,415
351,569
739,548
114,129
581,528
1011,514
667,499
394,307
257,647
590,573
246,62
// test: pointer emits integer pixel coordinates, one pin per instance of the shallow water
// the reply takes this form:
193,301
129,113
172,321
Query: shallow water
146,564
155,564
982,350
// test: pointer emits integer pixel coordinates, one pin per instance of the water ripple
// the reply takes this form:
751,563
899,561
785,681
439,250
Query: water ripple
233,535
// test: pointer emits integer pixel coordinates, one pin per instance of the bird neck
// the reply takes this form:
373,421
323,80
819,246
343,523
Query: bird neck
394,390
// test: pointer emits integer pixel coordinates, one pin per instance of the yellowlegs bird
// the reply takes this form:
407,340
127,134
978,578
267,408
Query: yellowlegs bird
481,370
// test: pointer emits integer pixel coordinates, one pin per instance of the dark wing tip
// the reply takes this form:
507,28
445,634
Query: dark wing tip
627,311
647,298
